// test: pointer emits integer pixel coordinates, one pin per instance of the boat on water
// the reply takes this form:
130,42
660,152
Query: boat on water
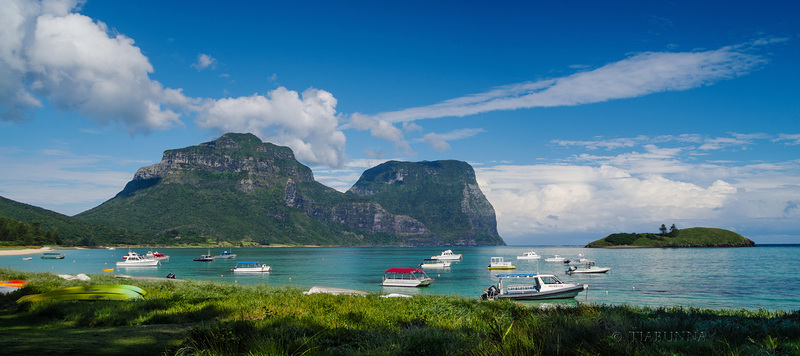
27,258
447,255
529,255
406,277
499,263
581,260
53,256
156,256
588,268
250,266
555,258
434,263
131,253
133,259
532,287
226,255
205,258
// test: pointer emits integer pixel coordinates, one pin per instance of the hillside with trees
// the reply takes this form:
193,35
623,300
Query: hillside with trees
28,225
691,237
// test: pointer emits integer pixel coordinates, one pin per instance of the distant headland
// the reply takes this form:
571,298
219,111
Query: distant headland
691,237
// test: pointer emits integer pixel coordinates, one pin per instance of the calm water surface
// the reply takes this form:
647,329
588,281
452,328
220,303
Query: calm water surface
760,277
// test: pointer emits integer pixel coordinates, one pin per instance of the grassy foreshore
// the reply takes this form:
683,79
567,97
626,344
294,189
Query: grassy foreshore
212,318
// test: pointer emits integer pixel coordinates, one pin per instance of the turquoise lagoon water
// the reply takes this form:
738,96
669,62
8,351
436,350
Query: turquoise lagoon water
733,278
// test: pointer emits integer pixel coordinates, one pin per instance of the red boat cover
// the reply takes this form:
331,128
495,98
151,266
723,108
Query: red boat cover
404,270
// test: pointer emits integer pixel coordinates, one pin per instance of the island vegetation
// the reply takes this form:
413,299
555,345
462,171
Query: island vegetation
674,237
184,317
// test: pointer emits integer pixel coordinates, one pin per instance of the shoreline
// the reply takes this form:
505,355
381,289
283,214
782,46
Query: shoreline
23,252
36,251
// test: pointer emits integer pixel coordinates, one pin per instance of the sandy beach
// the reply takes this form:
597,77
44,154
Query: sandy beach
21,252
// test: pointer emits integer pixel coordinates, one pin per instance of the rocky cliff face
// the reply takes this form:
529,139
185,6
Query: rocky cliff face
362,215
256,161
443,195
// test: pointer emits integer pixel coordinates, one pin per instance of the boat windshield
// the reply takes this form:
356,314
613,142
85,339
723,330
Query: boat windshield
551,280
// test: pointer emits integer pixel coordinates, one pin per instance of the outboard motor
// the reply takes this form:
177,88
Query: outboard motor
493,291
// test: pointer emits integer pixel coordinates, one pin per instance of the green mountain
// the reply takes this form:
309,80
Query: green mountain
61,228
691,237
443,195
238,188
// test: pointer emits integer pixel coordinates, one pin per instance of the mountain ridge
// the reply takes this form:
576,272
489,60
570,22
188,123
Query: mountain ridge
238,188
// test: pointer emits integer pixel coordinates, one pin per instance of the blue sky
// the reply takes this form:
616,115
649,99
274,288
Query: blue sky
580,118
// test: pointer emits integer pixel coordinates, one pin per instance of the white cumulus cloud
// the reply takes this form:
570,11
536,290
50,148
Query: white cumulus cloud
540,199
204,61
305,122
50,52
46,51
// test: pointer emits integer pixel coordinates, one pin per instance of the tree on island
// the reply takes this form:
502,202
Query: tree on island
663,229
673,231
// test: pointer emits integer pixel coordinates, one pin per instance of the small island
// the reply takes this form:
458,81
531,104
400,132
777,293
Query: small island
691,237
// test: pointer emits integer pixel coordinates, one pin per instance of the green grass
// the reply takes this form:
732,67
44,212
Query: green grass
205,318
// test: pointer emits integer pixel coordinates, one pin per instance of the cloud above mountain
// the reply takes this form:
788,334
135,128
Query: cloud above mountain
48,52
305,122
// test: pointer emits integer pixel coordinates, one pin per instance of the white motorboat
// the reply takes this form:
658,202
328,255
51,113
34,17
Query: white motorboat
499,263
555,258
133,259
156,256
530,255
205,258
582,260
434,263
251,266
535,287
589,268
406,277
447,255
131,253
226,255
